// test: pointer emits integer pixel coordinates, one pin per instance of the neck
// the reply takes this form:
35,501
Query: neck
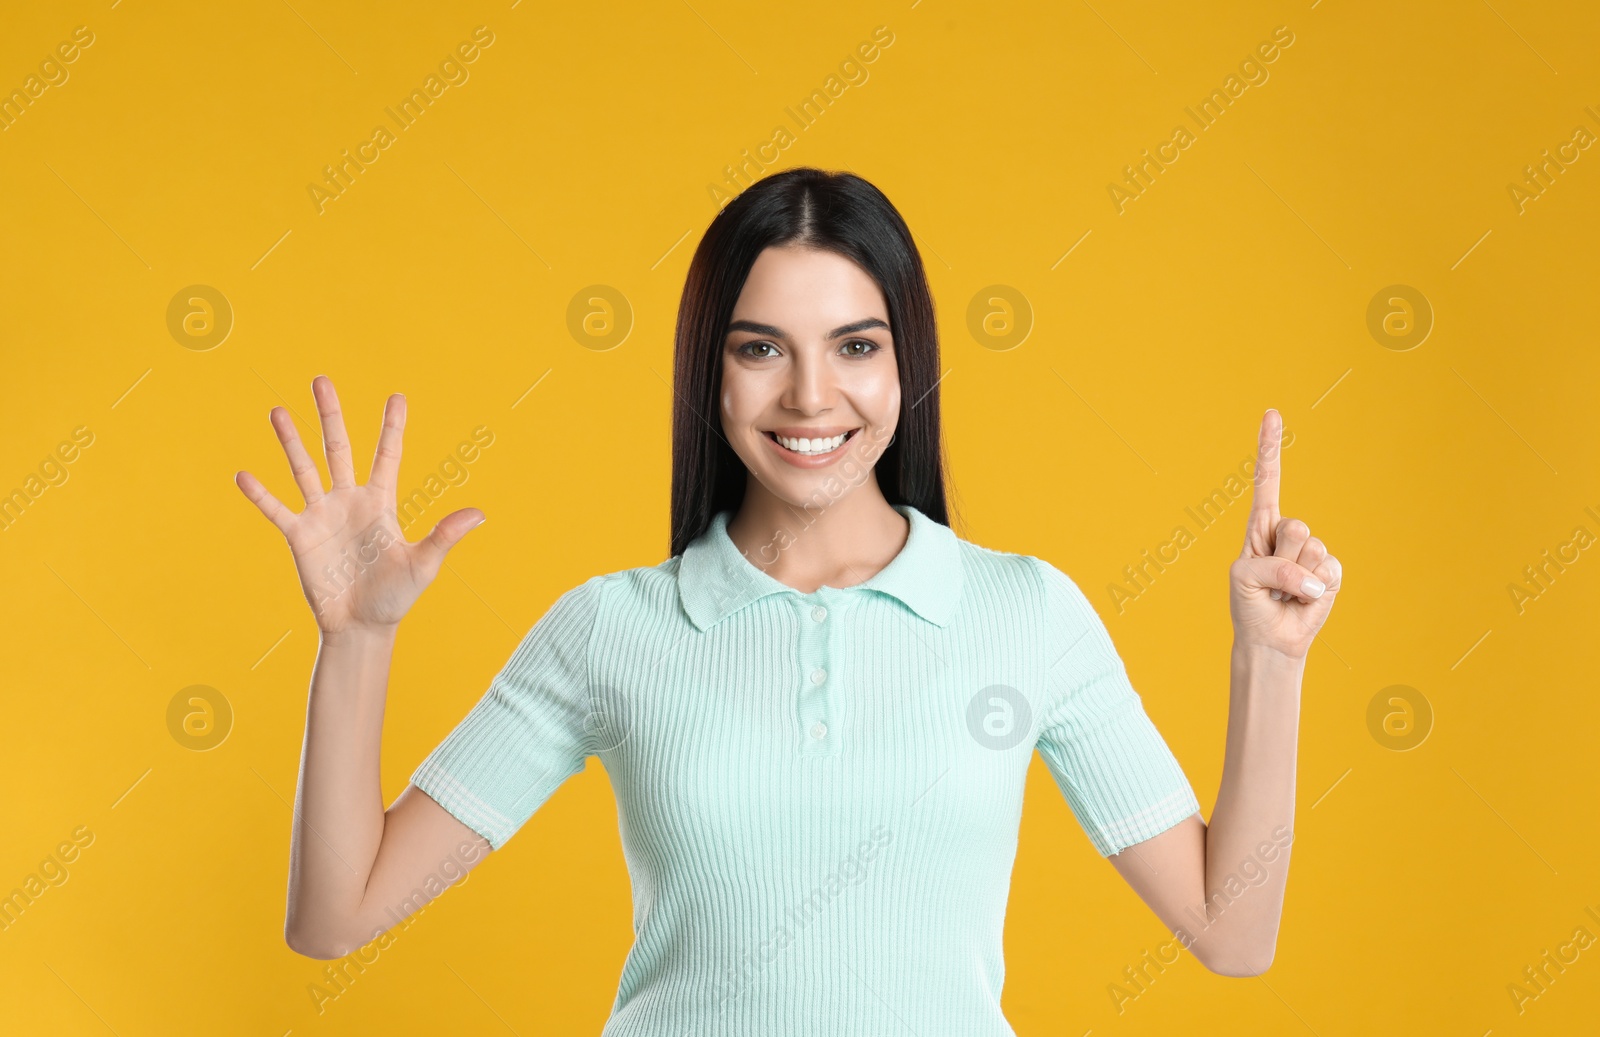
840,543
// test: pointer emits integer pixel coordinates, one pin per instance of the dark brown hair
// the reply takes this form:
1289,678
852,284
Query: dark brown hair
831,211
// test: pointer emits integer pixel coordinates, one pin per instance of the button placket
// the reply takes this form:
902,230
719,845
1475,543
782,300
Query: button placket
816,704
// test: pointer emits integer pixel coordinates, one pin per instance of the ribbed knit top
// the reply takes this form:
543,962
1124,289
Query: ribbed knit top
818,794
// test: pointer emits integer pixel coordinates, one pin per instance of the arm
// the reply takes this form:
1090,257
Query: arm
1220,888
355,870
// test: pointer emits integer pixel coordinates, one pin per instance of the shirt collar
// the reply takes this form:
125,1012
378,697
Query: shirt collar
715,580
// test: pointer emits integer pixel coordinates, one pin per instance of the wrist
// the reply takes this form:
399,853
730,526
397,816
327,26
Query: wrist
359,636
1262,657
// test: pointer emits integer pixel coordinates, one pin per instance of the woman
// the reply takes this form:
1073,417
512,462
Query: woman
818,713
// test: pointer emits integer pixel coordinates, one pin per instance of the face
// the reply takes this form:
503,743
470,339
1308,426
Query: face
809,356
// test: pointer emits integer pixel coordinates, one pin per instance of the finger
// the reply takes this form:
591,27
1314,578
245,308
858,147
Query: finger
336,443
386,459
1289,539
1332,572
1288,578
1294,542
1327,569
269,505
305,471
1313,555
432,548
1264,498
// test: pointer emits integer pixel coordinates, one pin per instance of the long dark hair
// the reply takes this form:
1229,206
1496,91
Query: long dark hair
833,211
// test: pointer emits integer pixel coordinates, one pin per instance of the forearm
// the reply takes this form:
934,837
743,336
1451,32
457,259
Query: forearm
339,815
1251,828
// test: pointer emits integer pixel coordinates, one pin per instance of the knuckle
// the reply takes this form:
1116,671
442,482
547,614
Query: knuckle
1296,528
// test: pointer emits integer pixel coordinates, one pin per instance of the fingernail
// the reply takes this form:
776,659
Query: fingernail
1277,595
1312,587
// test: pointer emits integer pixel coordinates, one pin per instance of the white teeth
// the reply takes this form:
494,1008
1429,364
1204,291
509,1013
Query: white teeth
812,446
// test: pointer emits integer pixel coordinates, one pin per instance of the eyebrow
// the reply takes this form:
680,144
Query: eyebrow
776,332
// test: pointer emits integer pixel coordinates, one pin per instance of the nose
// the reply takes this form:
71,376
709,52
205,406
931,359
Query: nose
811,383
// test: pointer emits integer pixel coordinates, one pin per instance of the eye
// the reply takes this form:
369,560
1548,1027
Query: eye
745,350
748,349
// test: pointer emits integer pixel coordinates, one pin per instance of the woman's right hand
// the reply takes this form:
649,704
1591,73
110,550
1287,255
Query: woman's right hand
356,568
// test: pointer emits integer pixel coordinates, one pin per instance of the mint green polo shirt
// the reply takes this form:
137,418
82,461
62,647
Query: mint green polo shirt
818,794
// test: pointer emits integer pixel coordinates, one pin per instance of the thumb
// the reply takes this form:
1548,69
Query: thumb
432,548
1282,575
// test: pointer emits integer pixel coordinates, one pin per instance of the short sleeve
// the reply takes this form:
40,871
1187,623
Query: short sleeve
1116,771
528,733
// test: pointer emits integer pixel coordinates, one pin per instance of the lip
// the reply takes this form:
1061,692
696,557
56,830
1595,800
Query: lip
817,460
819,432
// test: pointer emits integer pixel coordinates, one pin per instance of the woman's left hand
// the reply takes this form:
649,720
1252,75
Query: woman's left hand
1273,605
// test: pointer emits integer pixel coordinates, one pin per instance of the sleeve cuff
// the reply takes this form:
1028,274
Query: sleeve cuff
1113,836
477,815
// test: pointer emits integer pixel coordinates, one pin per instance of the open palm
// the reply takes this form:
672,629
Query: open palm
356,568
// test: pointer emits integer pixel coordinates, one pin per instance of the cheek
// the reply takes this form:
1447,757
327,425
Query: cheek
730,409
735,415
884,394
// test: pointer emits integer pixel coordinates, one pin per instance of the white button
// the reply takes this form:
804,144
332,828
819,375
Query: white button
819,730
819,613
818,676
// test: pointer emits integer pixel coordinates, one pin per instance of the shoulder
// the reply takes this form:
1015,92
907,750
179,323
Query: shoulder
1026,584
1019,576
631,591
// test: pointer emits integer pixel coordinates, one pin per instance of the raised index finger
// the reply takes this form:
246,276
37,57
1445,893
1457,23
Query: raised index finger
1264,499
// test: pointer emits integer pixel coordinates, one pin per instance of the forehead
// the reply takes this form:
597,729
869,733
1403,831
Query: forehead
807,289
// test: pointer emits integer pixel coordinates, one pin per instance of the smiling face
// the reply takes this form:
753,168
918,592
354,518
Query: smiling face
808,359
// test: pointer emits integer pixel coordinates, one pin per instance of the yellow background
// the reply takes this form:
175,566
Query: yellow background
581,151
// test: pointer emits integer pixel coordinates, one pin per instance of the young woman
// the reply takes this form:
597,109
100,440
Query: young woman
818,713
